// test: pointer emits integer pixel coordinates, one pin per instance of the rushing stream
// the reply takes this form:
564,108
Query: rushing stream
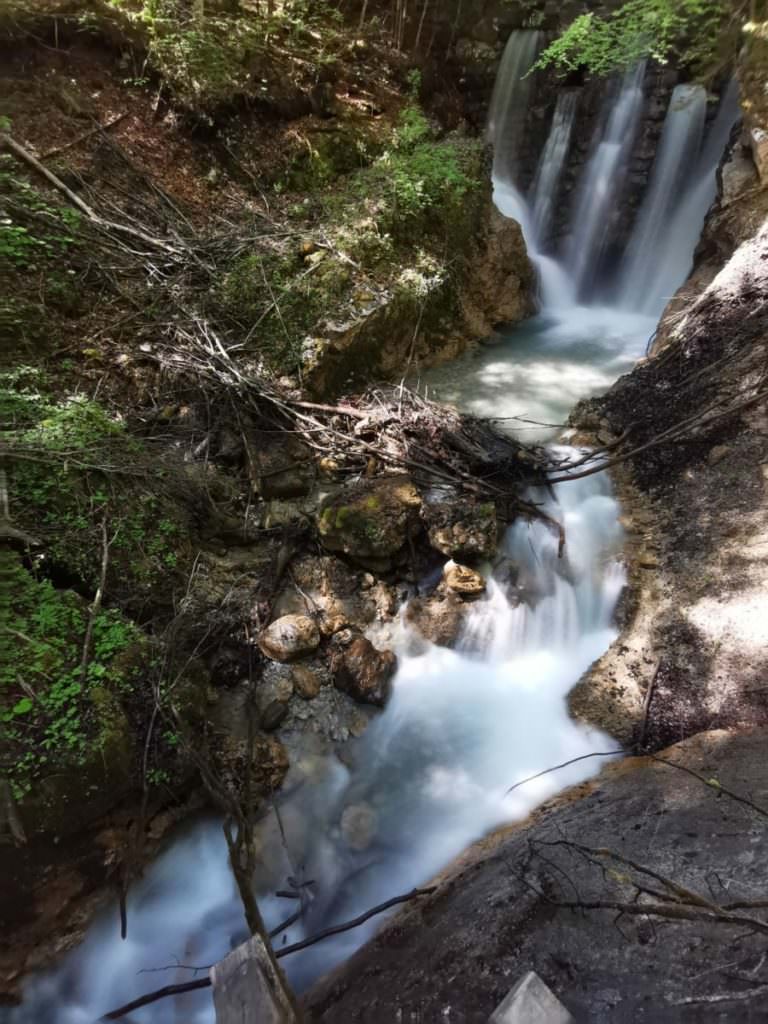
431,774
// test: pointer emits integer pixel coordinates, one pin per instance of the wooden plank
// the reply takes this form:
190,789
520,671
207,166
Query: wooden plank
247,989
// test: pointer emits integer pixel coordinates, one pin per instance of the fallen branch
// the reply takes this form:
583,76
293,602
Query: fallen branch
190,986
31,161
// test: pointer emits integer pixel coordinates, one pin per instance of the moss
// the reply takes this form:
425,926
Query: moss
72,468
58,710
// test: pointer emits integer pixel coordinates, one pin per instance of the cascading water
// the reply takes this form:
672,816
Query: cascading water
683,187
602,184
552,161
509,103
678,150
432,772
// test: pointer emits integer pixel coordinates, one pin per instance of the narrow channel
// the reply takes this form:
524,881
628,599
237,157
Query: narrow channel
432,773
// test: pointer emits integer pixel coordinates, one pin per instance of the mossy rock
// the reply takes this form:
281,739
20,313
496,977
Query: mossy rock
371,522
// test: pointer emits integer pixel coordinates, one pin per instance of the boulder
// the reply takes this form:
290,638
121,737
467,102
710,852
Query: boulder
360,670
462,529
289,638
463,580
371,521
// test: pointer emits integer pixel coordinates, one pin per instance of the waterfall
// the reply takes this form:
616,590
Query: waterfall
682,188
676,157
544,191
432,773
602,183
509,103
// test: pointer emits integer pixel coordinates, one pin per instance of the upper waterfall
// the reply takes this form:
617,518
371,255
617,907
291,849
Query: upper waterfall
681,187
678,149
602,183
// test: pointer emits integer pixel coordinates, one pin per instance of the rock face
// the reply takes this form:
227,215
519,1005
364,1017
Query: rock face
509,904
360,670
289,638
371,522
462,529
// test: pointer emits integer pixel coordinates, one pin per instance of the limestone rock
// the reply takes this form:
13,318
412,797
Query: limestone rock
279,465
462,529
289,637
360,670
463,580
371,521
758,140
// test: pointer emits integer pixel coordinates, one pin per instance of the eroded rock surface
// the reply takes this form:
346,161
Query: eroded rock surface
524,899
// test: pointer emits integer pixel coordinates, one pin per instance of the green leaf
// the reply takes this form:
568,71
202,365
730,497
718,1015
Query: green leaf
23,707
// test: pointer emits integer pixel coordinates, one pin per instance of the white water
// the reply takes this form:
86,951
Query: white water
551,163
602,184
433,770
683,187
677,154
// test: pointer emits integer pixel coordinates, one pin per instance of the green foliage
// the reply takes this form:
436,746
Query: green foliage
31,227
48,716
58,487
210,60
689,30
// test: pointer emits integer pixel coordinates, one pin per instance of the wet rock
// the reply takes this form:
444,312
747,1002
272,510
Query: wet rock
289,637
360,670
306,683
275,712
359,824
371,521
464,530
273,696
507,905
463,580
264,770
439,617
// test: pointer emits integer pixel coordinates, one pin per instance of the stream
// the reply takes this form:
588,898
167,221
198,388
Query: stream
431,774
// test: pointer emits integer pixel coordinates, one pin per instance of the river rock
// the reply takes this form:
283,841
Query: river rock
305,682
462,529
371,521
359,824
289,637
463,580
338,594
439,617
360,670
